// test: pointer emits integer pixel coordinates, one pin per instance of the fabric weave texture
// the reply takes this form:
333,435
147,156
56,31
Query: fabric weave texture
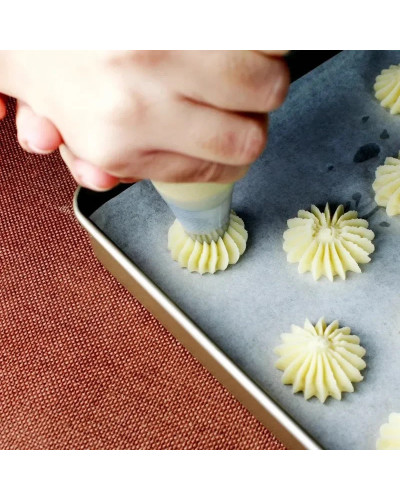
83,365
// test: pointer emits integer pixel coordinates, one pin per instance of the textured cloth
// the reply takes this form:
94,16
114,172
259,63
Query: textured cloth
82,364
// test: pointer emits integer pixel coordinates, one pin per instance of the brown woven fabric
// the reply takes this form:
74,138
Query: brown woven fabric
82,364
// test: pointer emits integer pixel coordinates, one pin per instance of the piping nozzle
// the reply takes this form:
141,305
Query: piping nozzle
202,208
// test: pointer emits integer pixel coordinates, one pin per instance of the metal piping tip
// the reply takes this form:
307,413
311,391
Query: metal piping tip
204,225
214,235
205,220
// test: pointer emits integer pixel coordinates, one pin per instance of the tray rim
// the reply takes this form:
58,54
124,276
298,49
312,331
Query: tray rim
301,439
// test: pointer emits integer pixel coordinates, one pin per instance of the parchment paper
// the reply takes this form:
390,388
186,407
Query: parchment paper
314,138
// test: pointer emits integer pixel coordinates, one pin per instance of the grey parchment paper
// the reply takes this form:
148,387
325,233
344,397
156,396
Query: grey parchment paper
329,115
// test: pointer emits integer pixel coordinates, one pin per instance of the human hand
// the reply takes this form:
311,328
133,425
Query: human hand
3,108
164,115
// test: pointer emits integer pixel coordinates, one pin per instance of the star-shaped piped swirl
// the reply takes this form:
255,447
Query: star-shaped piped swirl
389,434
203,257
321,360
387,88
387,185
328,245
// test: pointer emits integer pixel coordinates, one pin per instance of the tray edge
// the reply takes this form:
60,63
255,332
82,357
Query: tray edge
272,416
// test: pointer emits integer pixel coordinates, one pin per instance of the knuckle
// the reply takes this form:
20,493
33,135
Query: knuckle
138,109
120,106
119,59
222,144
240,69
275,53
263,80
277,87
148,57
239,147
227,144
217,172
112,103
254,142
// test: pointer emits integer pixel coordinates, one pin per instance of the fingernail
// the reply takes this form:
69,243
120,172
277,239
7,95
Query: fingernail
93,178
39,151
95,188
85,181
129,180
280,89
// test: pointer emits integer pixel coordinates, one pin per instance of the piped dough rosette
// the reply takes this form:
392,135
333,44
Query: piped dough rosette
328,245
387,185
320,360
389,434
203,257
387,88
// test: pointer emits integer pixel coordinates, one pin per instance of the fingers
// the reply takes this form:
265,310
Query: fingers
158,166
274,53
170,167
36,134
3,107
129,180
249,81
180,116
86,174
173,167
212,135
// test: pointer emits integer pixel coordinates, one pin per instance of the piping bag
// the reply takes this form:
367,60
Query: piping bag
202,208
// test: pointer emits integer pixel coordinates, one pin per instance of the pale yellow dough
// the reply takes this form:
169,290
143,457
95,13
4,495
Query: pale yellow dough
387,185
208,257
320,360
389,438
387,88
328,245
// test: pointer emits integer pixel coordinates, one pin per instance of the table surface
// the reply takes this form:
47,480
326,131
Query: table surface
83,364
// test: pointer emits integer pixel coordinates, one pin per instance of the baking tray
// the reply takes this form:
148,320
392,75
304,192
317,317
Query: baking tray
313,142
183,329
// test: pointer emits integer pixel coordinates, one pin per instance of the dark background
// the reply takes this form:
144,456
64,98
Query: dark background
301,62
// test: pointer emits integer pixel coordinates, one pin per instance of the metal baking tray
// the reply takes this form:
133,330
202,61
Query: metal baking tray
183,329
330,147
